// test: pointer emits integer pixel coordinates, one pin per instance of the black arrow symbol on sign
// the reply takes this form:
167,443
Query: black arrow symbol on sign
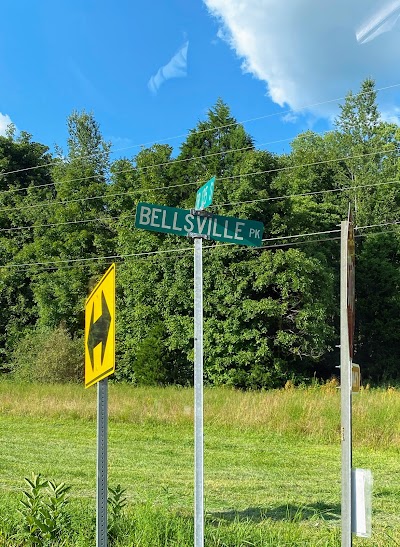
98,331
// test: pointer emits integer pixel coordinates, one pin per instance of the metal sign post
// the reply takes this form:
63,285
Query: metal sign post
346,352
199,224
101,485
198,394
203,199
99,364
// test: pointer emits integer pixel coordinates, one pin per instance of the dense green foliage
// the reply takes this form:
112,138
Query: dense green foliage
271,314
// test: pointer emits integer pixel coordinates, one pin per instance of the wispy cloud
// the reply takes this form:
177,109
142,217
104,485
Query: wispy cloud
290,117
175,68
86,86
383,20
121,143
5,120
393,116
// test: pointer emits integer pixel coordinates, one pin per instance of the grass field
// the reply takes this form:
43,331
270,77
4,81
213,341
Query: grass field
272,462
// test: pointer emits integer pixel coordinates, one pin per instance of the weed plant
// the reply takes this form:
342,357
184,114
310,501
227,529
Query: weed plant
43,512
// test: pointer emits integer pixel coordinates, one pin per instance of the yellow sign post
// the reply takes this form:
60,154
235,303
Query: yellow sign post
100,330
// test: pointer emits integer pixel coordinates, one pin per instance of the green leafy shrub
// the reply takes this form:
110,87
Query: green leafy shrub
43,510
116,501
48,356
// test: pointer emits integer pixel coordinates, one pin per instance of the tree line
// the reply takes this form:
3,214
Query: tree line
271,314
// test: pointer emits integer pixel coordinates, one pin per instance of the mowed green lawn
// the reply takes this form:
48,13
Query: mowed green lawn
272,461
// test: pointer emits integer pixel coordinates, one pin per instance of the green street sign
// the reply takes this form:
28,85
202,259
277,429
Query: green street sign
181,222
204,195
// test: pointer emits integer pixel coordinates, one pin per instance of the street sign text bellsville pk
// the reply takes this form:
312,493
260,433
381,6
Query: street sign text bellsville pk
169,220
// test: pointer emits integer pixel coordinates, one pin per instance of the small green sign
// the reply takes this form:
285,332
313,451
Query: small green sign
204,195
181,222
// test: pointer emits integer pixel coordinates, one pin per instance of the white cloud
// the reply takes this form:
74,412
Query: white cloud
309,51
4,121
175,68
391,117
382,20
290,117
121,143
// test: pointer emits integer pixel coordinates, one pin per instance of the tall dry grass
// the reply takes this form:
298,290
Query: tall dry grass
312,412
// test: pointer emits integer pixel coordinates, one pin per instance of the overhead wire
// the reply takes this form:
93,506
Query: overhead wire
244,202
234,248
273,114
142,254
145,167
193,158
73,262
55,224
153,254
62,202
378,225
305,194
231,177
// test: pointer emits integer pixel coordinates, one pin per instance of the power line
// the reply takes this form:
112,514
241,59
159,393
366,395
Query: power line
54,224
102,219
378,225
193,158
133,168
98,258
55,265
305,194
273,114
174,161
185,249
231,247
300,235
144,168
213,154
231,177
380,232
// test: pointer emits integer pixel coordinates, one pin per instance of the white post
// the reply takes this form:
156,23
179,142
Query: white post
101,486
198,395
345,391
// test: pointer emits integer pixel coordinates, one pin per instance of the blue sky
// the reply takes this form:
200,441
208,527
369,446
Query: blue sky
150,71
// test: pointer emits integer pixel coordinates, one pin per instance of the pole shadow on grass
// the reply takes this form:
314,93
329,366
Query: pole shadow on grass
288,512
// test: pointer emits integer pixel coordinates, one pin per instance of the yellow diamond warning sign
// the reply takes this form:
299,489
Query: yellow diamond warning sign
100,330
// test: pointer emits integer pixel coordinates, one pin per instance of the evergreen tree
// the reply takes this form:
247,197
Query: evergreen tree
77,227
